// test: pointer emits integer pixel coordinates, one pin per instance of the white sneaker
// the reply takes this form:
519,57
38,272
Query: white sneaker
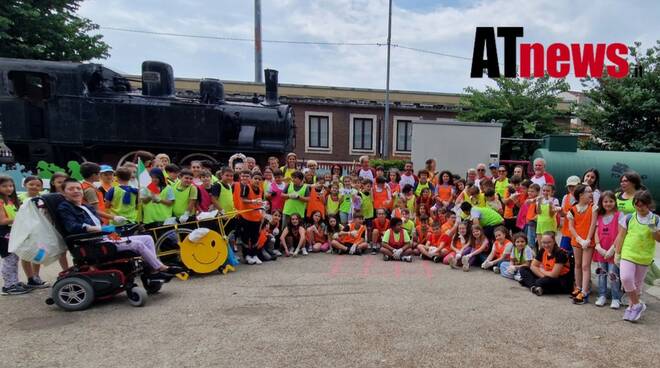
616,304
304,252
257,260
407,258
601,301
277,253
352,250
517,277
496,269
249,260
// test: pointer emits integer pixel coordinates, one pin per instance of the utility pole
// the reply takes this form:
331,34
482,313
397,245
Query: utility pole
386,123
257,42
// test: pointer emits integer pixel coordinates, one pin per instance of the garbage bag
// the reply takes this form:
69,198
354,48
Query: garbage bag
198,234
33,237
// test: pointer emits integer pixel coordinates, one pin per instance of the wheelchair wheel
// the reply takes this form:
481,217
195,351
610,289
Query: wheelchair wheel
73,294
151,286
167,246
137,296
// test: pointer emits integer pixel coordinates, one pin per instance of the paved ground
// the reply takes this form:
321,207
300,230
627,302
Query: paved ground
330,311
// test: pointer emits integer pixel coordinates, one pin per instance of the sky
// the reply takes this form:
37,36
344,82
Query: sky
445,27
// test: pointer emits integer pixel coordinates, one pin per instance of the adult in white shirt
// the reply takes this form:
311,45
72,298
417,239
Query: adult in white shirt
408,176
481,175
366,171
541,177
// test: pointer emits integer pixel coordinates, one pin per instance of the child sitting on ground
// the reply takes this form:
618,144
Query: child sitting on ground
461,240
317,236
422,234
432,249
352,239
334,227
396,243
293,236
500,251
477,253
380,225
520,256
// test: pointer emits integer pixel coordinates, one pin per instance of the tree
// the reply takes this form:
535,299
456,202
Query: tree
526,108
624,114
48,30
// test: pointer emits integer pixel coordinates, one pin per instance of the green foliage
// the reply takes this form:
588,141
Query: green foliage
525,107
624,114
48,30
387,164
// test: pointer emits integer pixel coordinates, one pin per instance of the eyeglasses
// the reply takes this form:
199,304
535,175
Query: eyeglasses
624,179
481,169
502,171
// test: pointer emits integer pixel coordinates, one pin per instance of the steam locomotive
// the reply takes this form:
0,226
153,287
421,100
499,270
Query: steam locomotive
60,111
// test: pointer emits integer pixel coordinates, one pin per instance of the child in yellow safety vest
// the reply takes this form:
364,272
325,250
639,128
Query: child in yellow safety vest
121,200
185,197
635,250
157,199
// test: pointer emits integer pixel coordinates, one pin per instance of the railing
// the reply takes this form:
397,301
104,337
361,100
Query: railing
326,166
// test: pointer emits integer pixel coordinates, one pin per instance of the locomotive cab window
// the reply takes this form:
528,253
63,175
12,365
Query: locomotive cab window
35,87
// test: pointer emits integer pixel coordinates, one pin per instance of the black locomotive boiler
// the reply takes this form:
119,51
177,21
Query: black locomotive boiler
60,111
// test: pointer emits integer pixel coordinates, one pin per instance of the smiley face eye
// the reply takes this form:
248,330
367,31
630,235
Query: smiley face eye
213,243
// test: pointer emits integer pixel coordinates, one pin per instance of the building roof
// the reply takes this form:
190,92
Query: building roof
298,92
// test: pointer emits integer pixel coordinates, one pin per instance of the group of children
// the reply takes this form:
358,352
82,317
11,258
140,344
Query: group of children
509,225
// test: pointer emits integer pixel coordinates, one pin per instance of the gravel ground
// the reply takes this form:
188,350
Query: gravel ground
330,311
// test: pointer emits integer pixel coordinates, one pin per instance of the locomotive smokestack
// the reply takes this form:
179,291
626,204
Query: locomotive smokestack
271,87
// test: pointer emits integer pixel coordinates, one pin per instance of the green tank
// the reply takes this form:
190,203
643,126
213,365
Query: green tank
564,159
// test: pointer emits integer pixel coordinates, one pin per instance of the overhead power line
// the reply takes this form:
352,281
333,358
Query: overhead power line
240,39
294,42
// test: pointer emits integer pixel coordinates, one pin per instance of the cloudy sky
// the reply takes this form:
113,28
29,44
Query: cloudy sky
445,27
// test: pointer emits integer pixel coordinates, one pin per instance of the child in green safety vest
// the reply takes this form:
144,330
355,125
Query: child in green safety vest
635,250
296,195
367,197
221,192
423,183
157,199
172,174
121,200
185,197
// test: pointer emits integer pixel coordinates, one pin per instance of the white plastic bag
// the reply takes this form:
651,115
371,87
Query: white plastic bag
198,234
207,215
34,238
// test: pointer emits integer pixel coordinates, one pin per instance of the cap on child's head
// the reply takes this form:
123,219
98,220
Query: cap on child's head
572,181
106,168
493,166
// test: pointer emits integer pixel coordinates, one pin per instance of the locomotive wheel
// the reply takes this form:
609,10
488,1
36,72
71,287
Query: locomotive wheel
128,157
198,155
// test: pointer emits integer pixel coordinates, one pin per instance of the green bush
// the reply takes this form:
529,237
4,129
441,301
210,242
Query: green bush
388,164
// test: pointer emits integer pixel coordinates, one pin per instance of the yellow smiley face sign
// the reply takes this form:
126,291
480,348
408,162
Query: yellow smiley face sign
204,256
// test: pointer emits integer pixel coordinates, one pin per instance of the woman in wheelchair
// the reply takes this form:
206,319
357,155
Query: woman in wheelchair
78,218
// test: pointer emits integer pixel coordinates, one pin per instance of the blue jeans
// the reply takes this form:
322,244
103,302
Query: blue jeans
609,271
504,270
343,218
530,231
565,244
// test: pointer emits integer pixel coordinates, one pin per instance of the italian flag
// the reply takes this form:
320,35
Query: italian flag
143,176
